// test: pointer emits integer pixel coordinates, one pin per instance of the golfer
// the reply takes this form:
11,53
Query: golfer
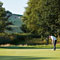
54,41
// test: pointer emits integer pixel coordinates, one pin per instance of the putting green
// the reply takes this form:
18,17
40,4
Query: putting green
29,54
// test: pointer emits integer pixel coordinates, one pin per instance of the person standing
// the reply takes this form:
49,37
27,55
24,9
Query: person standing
54,41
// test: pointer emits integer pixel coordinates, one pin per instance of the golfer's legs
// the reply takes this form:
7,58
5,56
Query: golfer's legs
55,44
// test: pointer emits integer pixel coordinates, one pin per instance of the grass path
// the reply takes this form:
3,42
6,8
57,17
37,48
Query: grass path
29,54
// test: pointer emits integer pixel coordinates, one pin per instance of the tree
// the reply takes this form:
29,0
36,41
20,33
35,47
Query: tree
49,15
43,17
31,17
2,17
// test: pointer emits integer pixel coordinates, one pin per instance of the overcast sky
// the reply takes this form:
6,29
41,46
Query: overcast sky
15,6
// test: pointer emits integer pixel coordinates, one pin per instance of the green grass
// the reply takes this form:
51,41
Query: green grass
29,54
21,53
30,46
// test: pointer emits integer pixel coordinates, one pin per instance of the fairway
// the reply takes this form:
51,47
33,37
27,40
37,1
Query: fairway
29,54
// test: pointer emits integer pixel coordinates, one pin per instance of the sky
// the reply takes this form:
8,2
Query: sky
15,6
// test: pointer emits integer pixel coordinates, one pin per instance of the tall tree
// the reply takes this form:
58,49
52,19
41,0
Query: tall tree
31,17
42,17
49,14
2,17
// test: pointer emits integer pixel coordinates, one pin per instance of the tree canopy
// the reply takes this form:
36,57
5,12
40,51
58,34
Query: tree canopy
42,17
3,18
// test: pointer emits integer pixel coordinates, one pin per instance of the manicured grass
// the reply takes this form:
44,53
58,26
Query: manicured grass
30,47
36,52
29,54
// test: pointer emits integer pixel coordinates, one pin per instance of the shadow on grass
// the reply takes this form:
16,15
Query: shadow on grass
24,58
14,47
24,48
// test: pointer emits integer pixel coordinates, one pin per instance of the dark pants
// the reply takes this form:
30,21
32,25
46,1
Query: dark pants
55,41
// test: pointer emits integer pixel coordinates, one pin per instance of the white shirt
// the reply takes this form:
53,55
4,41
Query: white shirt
53,37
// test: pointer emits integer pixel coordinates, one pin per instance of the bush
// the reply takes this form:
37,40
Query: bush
4,39
28,38
22,38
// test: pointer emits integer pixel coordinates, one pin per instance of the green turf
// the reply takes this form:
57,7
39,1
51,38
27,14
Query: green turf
29,54
30,46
